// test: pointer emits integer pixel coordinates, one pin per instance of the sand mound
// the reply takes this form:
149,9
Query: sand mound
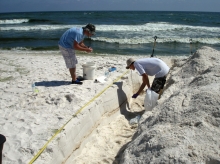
184,126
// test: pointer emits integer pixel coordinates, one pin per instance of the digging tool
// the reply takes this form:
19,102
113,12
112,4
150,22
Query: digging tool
155,38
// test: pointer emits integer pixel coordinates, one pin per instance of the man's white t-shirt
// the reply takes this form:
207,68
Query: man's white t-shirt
152,67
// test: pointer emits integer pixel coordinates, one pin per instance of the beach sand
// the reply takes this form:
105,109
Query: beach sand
29,119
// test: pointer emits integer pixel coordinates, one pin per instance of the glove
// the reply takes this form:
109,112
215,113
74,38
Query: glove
135,96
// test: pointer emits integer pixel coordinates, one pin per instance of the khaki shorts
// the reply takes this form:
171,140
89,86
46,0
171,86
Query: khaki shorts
69,57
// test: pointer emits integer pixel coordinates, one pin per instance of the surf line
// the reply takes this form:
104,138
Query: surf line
79,111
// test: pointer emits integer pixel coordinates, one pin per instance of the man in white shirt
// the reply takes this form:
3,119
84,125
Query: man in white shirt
149,67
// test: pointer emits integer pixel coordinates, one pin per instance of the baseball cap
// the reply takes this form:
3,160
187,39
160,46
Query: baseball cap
90,27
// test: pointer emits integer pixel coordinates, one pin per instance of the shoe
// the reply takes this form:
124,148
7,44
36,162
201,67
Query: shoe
77,82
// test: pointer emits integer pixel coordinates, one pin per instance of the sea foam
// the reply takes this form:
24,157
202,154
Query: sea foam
13,21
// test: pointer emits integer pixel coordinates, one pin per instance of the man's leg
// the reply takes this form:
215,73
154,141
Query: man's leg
71,61
73,73
160,93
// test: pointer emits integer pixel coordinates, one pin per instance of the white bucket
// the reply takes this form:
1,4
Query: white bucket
89,71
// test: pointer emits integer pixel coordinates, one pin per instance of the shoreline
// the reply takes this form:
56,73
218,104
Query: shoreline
52,52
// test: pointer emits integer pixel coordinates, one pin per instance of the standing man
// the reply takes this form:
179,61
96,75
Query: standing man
72,40
152,67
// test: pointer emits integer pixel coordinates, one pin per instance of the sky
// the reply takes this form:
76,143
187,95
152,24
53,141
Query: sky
91,5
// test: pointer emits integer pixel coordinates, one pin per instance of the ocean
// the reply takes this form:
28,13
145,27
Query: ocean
117,32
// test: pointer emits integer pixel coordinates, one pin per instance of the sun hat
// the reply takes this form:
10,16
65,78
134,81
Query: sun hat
129,62
90,27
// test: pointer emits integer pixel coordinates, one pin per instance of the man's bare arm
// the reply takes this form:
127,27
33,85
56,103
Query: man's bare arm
78,46
145,81
83,45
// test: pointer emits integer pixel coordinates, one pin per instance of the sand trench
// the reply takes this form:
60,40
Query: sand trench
107,141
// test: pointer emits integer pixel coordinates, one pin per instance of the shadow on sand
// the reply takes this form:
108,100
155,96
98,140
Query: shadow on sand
125,105
127,114
52,83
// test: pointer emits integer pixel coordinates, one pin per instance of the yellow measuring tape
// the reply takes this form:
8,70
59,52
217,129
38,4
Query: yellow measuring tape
59,130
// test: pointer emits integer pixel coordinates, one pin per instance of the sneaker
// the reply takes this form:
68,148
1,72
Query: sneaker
77,82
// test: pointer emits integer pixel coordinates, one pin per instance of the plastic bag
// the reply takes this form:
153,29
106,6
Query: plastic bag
150,100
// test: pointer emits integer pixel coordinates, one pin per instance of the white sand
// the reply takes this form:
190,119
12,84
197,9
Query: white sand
28,119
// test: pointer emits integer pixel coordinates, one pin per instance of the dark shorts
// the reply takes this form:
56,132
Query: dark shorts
158,84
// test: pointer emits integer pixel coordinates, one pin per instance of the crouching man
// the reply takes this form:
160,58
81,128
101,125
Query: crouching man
149,67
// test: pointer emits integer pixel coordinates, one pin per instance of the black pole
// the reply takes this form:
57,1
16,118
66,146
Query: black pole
2,140
155,38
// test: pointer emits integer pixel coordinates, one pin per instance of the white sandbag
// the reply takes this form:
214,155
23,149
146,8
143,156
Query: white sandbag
150,100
